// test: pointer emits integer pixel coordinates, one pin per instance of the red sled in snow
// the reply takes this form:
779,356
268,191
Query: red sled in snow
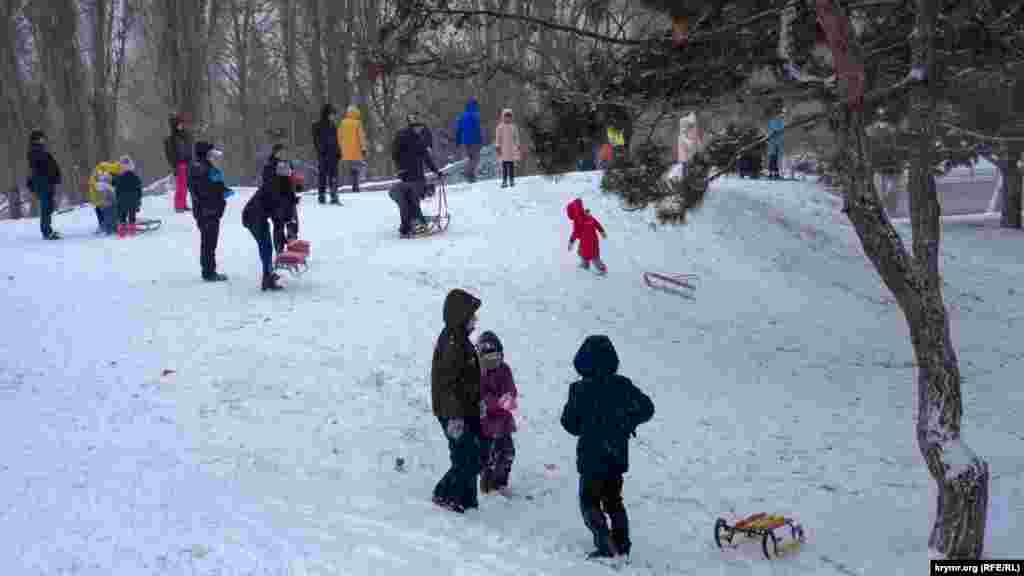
680,284
294,258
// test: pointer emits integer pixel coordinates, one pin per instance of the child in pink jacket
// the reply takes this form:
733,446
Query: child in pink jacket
506,140
498,401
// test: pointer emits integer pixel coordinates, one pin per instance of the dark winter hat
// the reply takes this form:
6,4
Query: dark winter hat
202,147
489,343
277,148
36,137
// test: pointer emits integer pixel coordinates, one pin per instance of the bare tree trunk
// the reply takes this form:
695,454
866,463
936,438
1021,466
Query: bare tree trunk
1011,208
341,16
55,27
961,476
288,34
102,101
316,59
13,109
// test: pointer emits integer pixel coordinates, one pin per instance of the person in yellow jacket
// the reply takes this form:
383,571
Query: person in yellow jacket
100,194
353,144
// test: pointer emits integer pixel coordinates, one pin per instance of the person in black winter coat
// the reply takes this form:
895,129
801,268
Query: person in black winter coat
325,140
603,410
43,180
455,400
208,203
274,201
411,151
289,225
128,190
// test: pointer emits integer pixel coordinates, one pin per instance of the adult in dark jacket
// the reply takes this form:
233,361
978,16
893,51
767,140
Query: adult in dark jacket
469,134
273,201
44,176
128,190
325,140
281,220
603,410
455,397
411,152
178,151
208,203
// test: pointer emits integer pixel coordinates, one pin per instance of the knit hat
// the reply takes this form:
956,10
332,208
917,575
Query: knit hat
284,168
127,164
36,137
492,353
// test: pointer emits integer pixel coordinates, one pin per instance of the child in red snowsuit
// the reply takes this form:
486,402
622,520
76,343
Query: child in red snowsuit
585,228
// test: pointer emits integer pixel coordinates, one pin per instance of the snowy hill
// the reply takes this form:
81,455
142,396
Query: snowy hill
786,387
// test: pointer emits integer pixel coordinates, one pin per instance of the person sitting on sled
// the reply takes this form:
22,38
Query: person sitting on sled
273,201
410,151
585,228
128,189
498,397
603,410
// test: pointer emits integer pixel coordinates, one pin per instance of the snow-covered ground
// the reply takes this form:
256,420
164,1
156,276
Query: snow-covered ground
786,387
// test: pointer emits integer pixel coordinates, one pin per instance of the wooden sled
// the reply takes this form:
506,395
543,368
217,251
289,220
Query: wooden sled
762,526
680,284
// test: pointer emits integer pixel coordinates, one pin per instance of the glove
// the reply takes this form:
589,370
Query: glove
507,402
455,428
570,245
483,409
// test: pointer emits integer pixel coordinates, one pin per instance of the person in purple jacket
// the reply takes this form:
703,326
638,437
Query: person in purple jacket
498,401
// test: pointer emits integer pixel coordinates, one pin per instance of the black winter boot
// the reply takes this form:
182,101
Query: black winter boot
270,283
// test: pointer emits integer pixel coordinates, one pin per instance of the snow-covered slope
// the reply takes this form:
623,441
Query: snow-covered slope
787,387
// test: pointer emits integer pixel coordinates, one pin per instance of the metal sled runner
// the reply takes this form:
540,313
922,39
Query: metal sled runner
437,222
762,526
294,258
680,284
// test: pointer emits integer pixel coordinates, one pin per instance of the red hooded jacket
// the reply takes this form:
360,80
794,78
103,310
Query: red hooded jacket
585,229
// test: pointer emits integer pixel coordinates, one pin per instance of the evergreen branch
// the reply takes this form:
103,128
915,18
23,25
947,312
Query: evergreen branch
876,96
981,136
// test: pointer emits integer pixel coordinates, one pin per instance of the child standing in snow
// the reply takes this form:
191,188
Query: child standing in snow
128,189
603,410
106,208
498,398
506,139
585,228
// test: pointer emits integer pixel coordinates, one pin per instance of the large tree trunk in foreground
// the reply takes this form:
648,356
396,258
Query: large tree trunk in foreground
1011,195
960,475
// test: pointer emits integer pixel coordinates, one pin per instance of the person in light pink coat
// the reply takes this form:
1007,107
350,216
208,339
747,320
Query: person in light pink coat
506,140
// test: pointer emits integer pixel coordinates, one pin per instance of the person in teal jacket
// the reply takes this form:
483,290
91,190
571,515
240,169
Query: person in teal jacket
603,411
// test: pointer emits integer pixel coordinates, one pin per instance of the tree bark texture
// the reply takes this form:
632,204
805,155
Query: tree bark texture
13,108
316,58
960,475
1011,195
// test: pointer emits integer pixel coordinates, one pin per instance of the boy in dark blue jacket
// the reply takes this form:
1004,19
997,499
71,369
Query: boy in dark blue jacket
43,180
209,199
603,410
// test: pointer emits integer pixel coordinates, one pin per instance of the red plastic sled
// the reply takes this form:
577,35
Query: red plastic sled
294,258
680,284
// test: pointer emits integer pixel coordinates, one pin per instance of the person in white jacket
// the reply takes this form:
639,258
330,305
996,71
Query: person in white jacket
689,141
